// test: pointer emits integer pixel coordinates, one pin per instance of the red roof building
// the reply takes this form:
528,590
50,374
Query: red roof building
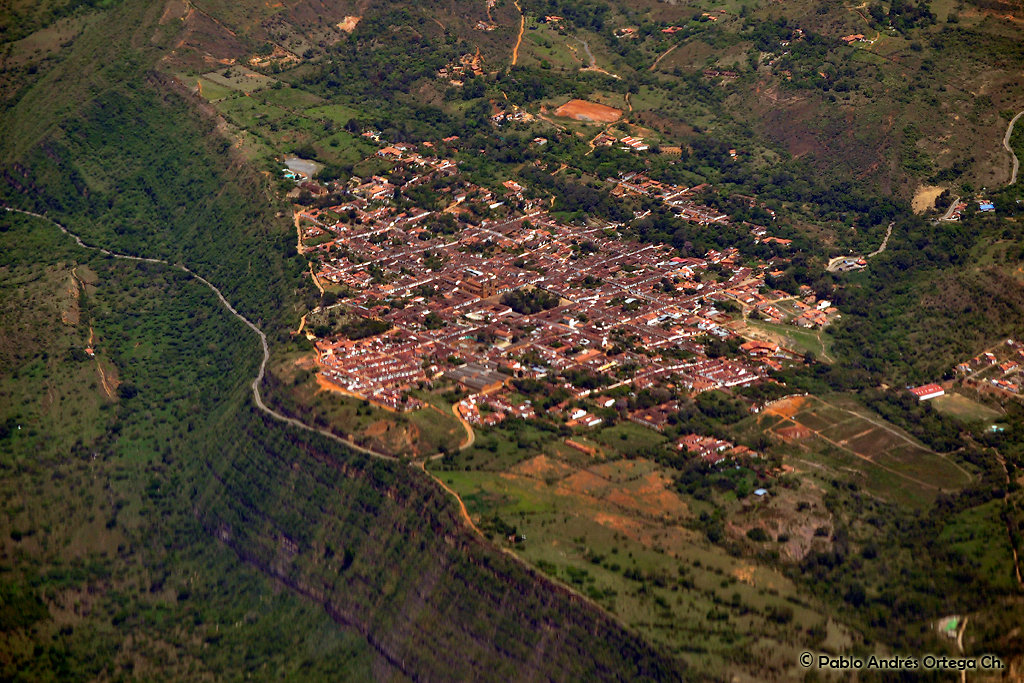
928,391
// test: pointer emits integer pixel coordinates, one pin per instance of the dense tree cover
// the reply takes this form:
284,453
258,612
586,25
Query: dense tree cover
529,301
901,573
584,14
918,311
139,173
386,54
149,569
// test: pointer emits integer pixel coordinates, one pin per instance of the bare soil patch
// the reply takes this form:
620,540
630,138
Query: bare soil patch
793,433
541,467
924,197
650,496
349,23
583,482
788,407
582,110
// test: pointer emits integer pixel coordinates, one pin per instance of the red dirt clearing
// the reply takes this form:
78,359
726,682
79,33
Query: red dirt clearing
581,110
793,433
787,407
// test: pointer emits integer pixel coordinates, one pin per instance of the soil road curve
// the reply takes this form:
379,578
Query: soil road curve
257,397
1006,145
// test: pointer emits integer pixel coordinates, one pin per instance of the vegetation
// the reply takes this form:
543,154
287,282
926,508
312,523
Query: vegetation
528,301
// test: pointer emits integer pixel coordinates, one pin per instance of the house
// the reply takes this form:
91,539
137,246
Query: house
758,348
928,391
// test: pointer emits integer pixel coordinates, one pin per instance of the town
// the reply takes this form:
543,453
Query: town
493,289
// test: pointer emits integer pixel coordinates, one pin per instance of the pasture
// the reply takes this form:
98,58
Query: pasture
616,532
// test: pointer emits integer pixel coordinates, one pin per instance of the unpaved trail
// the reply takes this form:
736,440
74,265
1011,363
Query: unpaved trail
470,434
298,234
462,506
257,397
663,55
885,242
103,379
522,28
593,62
1006,146
316,280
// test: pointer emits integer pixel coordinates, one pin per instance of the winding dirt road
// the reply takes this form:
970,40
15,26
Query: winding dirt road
663,55
257,397
1006,146
885,242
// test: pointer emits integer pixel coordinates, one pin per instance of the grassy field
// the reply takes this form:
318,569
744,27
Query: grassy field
790,336
615,532
214,92
961,407
629,438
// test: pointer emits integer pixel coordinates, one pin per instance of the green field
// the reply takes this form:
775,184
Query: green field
800,340
629,438
436,429
214,92
655,576
961,407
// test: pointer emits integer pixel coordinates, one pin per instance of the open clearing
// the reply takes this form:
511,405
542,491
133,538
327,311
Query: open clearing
582,110
924,197
615,532
964,408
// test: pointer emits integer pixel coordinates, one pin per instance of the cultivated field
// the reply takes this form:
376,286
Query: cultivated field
843,435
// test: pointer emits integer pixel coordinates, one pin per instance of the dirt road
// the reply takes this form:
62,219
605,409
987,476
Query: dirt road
885,242
663,55
593,62
1006,145
470,434
522,28
257,397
